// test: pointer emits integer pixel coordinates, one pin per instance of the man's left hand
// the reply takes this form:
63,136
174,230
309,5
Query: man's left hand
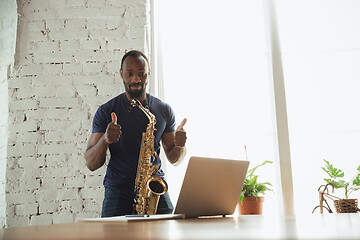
180,134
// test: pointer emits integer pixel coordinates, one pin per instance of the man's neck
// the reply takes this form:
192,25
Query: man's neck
141,99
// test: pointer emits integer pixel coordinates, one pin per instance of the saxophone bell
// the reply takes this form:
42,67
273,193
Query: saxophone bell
156,188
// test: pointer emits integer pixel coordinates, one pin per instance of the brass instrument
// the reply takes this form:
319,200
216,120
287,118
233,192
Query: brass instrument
148,188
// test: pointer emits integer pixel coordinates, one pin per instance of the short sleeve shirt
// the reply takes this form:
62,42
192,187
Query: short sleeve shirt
124,154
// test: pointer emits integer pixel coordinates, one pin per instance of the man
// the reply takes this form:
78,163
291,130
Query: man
118,125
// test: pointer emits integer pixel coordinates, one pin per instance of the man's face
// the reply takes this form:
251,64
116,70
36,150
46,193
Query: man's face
134,74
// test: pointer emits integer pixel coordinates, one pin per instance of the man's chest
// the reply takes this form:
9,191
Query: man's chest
135,122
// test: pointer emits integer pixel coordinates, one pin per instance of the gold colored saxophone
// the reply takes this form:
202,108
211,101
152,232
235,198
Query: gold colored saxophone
148,188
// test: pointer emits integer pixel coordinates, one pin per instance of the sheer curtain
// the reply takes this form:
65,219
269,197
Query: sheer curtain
215,69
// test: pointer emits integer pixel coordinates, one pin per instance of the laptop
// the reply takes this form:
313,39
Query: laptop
211,186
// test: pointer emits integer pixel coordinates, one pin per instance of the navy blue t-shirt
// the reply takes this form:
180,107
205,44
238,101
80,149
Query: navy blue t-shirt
124,154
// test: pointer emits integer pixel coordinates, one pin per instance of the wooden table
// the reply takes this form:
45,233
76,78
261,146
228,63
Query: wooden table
329,226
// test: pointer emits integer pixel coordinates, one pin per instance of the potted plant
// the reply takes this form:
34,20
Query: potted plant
250,202
336,180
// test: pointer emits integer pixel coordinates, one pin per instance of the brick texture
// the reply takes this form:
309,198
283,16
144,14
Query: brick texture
68,59
8,23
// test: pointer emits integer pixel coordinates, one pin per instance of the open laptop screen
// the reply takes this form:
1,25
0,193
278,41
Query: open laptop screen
211,186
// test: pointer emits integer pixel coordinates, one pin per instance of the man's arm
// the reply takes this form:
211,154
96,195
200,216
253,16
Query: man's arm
174,144
96,151
99,142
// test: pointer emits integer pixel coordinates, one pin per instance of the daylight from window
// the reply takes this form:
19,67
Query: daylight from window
215,72
320,43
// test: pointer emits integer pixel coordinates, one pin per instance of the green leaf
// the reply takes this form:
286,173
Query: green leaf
335,175
355,188
332,171
336,184
241,197
356,181
252,181
267,183
251,187
251,171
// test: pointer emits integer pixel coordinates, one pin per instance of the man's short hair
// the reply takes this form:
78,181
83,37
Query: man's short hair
134,53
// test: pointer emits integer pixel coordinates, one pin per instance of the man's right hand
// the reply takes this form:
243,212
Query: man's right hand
113,130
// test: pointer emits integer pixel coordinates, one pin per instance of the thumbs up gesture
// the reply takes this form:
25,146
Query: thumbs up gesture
180,134
113,130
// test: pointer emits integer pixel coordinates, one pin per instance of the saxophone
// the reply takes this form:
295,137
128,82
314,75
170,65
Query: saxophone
148,188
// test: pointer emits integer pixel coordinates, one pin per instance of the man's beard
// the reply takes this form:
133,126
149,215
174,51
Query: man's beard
137,93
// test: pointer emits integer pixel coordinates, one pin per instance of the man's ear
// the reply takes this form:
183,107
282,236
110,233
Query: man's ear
149,72
121,74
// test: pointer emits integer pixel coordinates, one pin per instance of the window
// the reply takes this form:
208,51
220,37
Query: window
215,71
321,54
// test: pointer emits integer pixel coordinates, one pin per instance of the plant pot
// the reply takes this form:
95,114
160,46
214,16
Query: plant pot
346,205
251,205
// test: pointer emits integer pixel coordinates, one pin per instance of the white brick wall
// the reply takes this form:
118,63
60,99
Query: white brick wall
69,58
8,22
